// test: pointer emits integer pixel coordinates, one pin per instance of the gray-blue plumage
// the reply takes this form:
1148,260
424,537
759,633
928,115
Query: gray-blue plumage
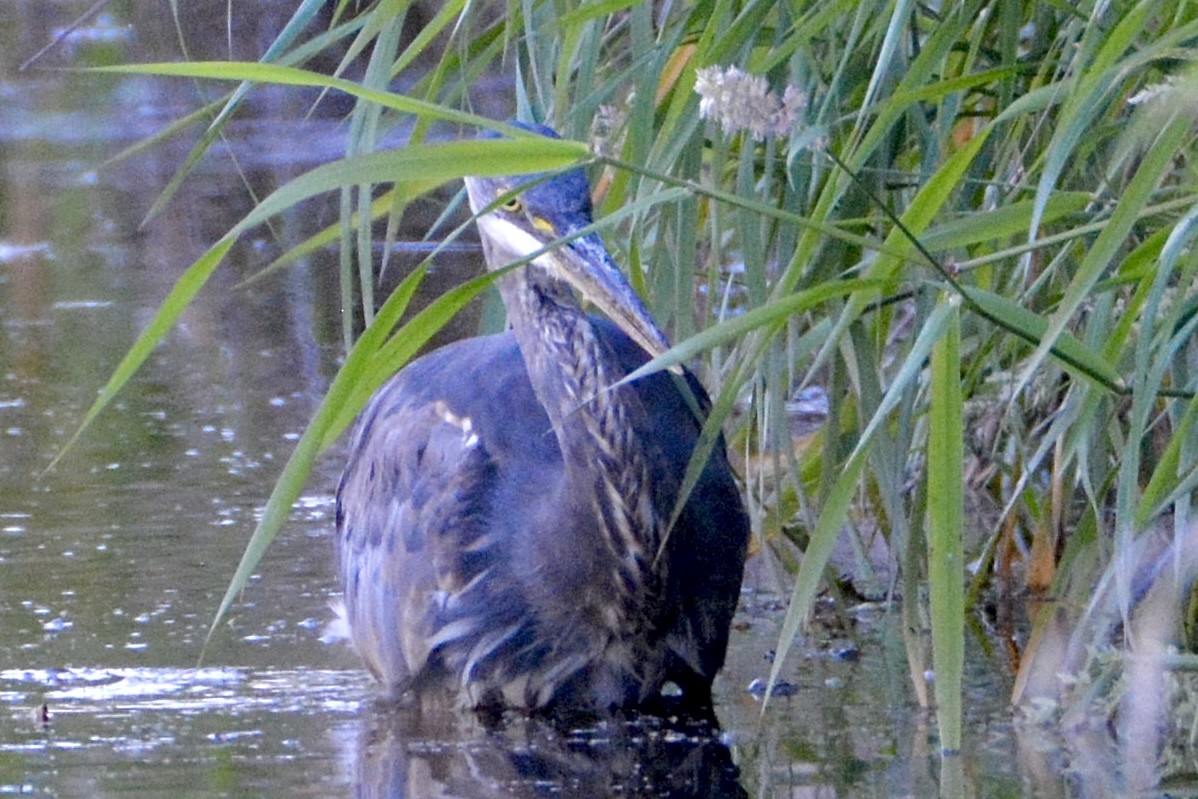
502,518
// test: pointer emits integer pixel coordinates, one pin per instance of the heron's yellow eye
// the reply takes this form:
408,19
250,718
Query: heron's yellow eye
512,205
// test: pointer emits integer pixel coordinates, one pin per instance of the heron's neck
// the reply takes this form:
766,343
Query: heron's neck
572,372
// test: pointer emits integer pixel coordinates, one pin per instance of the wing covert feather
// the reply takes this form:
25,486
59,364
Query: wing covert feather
409,520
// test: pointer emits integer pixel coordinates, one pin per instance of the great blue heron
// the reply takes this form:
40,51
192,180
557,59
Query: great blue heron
502,518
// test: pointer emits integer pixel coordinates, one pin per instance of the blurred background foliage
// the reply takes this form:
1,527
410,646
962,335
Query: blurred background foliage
934,262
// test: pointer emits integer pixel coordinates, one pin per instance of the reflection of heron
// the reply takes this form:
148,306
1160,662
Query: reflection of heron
410,753
502,519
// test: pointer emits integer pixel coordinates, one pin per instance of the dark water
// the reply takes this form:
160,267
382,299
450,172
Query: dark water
112,563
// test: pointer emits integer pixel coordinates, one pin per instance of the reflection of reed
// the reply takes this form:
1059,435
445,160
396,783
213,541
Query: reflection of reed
406,751
1103,680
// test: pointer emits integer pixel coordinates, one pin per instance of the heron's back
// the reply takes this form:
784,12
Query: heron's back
469,563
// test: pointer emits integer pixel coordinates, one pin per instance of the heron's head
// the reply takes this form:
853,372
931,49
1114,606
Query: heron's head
533,212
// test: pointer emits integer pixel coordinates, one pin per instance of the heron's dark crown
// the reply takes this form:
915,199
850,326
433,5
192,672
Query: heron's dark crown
562,200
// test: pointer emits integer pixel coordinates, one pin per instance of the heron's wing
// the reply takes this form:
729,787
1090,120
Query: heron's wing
409,512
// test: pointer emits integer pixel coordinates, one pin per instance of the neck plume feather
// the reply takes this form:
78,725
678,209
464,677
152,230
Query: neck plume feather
572,373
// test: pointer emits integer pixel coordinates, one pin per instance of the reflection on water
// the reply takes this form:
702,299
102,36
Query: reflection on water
125,731
407,752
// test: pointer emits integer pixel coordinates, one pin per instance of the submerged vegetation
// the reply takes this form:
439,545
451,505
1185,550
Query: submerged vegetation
970,226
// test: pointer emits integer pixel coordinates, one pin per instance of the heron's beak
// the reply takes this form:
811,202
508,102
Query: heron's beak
585,264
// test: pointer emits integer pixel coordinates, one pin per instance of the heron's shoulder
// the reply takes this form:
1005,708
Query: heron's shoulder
460,374
458,363
482,380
